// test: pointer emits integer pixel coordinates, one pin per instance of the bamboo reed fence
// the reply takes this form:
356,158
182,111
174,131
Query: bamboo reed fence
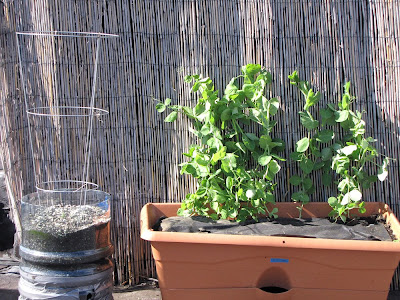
327,41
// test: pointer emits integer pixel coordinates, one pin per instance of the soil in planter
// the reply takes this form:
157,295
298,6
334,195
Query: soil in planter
371,228
65,228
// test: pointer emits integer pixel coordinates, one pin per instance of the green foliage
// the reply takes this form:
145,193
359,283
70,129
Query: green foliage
234,167
346,157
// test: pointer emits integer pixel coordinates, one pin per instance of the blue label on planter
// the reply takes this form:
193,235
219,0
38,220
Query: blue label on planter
279,260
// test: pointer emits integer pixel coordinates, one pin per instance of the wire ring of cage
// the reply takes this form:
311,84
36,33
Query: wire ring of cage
48,111
68,34
66,186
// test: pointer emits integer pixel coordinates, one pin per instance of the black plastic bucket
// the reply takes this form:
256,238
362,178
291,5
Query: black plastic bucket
72,282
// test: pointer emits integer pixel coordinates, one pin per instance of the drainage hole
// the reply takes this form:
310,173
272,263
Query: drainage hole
274,289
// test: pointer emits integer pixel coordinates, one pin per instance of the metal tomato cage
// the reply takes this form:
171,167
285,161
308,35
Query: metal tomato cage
65,247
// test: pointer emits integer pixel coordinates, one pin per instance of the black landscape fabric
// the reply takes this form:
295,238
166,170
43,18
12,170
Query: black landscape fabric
307,228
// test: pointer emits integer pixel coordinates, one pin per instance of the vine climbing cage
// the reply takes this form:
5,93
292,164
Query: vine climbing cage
66,220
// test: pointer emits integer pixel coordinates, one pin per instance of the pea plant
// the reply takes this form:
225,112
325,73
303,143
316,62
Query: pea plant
237,157
308,152
347,158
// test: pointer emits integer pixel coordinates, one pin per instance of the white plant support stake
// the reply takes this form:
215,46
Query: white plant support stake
85,176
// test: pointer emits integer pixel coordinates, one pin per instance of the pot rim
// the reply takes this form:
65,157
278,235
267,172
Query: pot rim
151,212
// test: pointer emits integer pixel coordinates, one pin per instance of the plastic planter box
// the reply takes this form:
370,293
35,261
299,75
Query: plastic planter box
218,266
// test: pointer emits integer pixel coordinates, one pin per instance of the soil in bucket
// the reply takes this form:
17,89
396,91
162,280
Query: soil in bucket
66,228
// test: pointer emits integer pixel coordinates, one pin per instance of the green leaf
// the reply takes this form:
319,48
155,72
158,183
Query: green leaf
336,147
216,132
383,172
264,141
307,121
218,155
364,144
332,201
201,192
326,179
302,145
264,76
295,180
202,171
175,107
319,165
273,169
269,197
188,78
171,117
160,107
362,210
326,114
307,184
201,161
301,197
214,143
249,90
264,160
251,69
188,111
307,165
345,101
296,156
279,145
251,136
205,129
331,107
215,205
277,157
366,184
294,78
312,99
325,136
189,169
224,213
341,116
241,147
226,114
228,162
199,109
273,106
167,101
248,143
229,182
347,87
326,154
348,150
343,185
231,88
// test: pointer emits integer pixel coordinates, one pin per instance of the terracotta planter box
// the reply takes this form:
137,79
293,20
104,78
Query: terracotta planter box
218,266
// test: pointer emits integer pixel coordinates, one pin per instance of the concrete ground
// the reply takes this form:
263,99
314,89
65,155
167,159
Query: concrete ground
142,294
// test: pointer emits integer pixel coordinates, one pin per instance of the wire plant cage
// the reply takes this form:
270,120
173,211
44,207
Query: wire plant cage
66,220
59,72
